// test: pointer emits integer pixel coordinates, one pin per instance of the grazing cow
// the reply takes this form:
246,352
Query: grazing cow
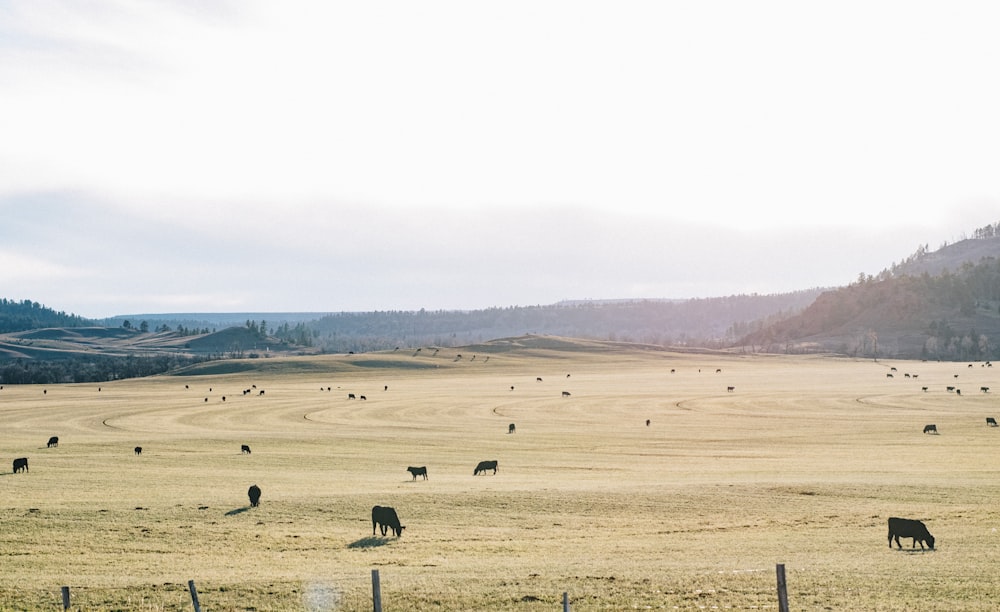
718,371
647,422
565,393
138,450
949,388
385,518
539,379
984,389
730,389
362,397
245,449
261,392
991,421
53,441
485,465
511,429
417,471
893,369
924,389
930,429
254,494
20,464
958,391
888,375
351,396
909,528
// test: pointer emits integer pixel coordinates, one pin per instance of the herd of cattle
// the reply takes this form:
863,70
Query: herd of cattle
383,516
386,518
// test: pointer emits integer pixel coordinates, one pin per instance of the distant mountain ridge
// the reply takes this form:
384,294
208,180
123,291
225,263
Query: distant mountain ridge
943,304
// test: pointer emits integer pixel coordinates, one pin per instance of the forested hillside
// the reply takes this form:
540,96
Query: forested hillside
24,315
950,313
709,322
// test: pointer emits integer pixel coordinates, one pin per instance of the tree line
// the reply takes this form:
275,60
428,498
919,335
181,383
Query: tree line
24,315
90,369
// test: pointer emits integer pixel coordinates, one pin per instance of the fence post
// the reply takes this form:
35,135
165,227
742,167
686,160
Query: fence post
194,596
782,589
565,601
376,592
65,596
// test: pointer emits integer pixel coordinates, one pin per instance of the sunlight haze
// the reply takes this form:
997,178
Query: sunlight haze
313,156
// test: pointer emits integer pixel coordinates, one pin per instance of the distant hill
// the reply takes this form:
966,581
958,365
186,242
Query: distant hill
24,315
934,305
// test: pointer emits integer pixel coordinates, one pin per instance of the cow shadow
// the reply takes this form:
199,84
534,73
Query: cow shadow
236,511
369,542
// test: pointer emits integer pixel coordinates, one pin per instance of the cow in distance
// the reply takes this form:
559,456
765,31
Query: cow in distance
245,449
20,464
483,466
511,429
909,528
138,450
385,518
992,422
930,429
53,441
417,471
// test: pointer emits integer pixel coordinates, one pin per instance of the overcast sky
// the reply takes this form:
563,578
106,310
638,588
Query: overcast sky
213,156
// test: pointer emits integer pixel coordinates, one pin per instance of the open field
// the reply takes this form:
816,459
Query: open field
801,464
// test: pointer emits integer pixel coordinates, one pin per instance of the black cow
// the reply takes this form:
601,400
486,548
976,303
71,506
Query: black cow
53,441
350,396
20,464
992,422
245,449
417,471
909,528
511,429
254,494
385,517
485,465
730,389
984,389
930,429
565,393
138,450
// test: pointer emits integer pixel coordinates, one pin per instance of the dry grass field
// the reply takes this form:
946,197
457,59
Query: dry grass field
800,464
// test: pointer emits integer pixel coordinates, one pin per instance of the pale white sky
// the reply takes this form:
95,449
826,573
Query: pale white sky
188,155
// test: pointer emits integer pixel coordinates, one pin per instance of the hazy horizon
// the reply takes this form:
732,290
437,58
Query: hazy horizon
317,157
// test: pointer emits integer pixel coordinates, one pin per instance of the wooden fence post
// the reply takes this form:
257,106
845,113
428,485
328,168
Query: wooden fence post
65,596
782,589
194,596
565,601
376,592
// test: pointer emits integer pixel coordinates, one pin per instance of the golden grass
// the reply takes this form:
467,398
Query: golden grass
801,464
